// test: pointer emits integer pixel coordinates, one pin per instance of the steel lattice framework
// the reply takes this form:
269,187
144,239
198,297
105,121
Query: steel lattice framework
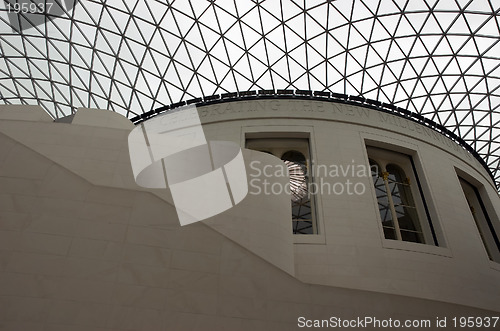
436,58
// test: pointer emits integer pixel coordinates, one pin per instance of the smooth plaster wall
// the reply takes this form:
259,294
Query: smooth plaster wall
83,255
100,155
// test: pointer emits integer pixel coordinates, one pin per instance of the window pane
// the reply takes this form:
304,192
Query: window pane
301,201
390,233
404,205
383,201
415,237
301,210
303,227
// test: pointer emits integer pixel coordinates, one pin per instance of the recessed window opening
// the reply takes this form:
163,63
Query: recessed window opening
402,211
482,220
296,155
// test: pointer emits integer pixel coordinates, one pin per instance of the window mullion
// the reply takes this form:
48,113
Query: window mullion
395,222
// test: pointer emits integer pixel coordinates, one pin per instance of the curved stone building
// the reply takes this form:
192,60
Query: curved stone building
353,212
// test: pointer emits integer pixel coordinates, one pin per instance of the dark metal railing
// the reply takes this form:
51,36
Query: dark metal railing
322,96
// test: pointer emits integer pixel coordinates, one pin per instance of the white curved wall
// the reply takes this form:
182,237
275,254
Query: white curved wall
350,250
82,247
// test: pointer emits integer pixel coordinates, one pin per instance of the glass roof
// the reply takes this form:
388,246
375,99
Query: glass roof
436,58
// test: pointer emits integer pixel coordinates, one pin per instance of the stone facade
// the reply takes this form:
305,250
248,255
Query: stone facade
82,247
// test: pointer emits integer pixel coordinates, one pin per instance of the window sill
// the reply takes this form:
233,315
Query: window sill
495,265
316,239
414,247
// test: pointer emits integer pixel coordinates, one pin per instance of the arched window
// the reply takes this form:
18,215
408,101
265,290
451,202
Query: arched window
400,213
295,154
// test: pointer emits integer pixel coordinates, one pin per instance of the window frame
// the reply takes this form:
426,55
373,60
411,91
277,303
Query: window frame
384,156
292,131
278,147
487,217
